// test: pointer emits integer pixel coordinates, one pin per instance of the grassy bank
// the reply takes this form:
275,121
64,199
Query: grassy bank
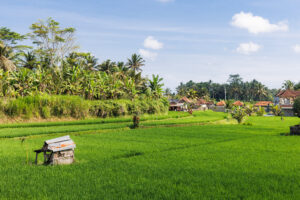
46,107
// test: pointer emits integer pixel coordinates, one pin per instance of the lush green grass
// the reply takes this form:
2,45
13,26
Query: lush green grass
170,115
27,129
212,161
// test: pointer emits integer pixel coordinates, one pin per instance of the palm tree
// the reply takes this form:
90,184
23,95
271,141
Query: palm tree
91,62
261,91
156,86
29,60
136,62
168,93
107,66
288,85
192,93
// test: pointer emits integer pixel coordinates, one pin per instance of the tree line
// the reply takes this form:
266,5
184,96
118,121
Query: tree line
53,65
235,88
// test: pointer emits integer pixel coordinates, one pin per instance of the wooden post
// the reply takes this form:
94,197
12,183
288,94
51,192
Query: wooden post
36,157
45,157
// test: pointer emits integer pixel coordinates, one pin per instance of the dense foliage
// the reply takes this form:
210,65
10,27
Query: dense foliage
53,66
236,88
297,106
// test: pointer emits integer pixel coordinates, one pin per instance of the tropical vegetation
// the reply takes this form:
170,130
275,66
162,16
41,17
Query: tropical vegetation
235,88
53,65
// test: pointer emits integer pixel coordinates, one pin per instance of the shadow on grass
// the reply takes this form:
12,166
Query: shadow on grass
129,155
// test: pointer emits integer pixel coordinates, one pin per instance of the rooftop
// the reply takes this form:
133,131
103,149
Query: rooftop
288,94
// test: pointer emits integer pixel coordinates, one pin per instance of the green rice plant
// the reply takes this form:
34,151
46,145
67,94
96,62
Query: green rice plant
45,112
209,161
1,107
77,107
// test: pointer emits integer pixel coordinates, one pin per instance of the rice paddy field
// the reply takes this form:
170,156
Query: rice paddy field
206,155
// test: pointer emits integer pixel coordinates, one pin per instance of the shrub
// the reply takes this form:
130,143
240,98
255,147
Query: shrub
239,114
249,110
229,104
261,111
276,110
296,106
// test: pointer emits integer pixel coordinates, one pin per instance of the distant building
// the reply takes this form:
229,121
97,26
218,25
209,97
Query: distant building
221,103
286,99
220,107
202,104
238,103
264,104
185,100
179,105
175,105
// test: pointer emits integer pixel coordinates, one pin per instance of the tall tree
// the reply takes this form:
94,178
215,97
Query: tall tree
9,49
53,41
288,85
10,38
297,86
29,60
235,82
136,62
156,85
168,93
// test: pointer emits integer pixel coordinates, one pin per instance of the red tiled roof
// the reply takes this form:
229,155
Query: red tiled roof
238,103
201,101
288,94
221,103
263,103
185,99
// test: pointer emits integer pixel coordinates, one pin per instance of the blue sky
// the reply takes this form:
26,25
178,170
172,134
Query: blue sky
181,40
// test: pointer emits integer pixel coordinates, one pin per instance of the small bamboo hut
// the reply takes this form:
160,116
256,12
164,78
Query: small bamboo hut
57,151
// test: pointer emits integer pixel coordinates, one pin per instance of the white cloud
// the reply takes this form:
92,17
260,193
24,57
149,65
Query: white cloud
151,43
296,48
256,24
147,54
248,48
